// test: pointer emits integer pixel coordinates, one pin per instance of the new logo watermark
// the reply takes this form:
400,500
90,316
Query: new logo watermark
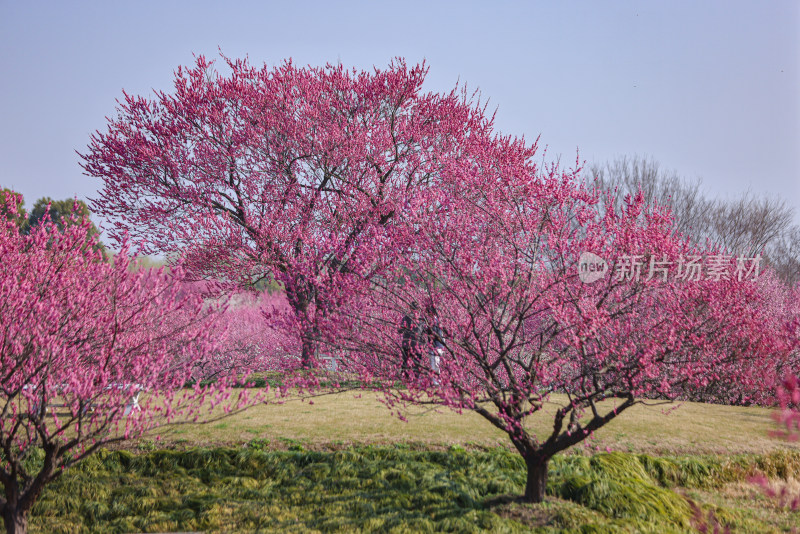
591,267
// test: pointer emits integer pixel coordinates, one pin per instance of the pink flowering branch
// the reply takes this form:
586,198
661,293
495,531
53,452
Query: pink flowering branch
788,414
787,417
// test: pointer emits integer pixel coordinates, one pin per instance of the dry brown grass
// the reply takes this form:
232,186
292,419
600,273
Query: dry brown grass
345,418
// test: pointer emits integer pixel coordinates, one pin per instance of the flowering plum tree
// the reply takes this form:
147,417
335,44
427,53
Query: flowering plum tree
281,173
746,377
495,252
79,337
249,337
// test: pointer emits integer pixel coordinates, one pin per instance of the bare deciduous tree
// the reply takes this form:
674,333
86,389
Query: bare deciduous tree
784,255
748,225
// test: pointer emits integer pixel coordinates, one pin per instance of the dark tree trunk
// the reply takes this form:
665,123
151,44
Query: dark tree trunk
308,359
19,501
300,302
536,484
16,522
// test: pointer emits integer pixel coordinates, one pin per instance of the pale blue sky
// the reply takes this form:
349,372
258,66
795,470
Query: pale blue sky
710,89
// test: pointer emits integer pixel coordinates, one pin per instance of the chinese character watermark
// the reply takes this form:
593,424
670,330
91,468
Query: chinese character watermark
689,268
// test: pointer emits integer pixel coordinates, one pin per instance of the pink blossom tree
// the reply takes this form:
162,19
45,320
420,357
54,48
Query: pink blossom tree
498,263
79,339
284,173
746,377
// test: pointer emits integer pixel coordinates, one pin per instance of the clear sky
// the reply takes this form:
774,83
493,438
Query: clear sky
710,89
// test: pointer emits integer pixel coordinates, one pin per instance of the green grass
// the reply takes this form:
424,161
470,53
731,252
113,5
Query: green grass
400,489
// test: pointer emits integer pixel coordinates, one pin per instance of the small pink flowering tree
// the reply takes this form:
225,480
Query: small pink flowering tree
788,416
79,338
284,173
495,252
788,419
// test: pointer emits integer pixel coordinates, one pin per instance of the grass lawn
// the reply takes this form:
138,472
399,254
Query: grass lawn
348,418
345,464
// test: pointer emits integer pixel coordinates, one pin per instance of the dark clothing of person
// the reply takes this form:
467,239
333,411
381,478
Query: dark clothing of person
410,329
412,337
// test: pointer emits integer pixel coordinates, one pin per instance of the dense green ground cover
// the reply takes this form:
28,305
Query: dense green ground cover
402,488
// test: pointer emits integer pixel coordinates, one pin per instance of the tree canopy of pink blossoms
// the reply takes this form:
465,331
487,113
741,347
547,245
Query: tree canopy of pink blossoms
492,257
283,173
79,339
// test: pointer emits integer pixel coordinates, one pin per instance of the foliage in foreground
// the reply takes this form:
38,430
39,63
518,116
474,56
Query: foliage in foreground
393,489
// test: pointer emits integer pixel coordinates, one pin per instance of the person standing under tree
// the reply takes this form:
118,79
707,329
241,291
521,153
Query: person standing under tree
436,337
411,332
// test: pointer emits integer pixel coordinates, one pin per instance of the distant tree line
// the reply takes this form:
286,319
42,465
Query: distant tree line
749,225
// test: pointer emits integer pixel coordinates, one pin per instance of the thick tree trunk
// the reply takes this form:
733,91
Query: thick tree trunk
16,522
300,304
308,358
19,501
536,485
